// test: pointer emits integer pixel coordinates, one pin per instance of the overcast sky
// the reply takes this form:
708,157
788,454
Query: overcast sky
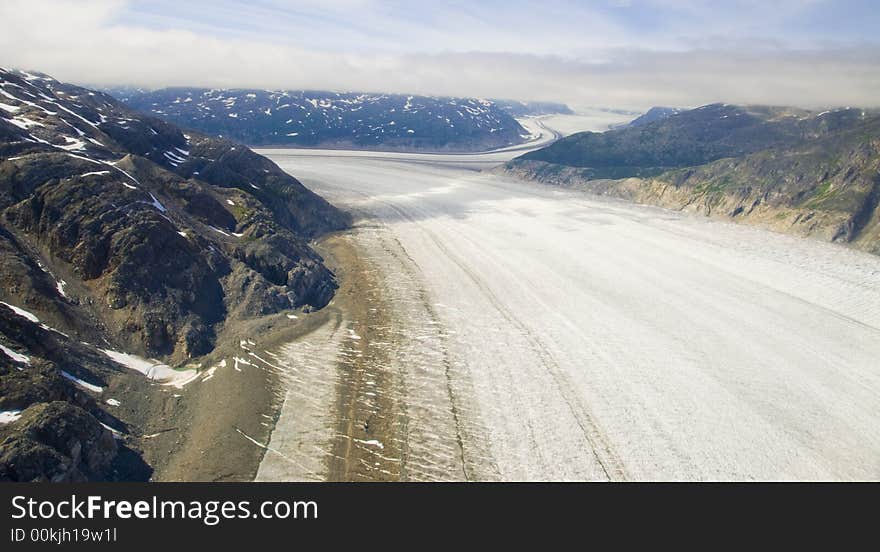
611,53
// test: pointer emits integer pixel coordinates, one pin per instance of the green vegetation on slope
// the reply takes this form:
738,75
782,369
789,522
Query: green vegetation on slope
787,168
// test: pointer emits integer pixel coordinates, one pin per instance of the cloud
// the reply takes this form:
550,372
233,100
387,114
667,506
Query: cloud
461,50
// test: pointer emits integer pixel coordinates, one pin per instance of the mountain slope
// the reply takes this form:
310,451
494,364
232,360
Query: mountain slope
787,169
655,114
329,119
121,233
532,109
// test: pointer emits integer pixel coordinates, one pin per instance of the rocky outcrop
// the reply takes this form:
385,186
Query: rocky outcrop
152,222
58,442
40,365
120,232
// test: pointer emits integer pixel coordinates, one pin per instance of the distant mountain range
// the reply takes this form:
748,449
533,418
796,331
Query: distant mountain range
121,235
794,170
533,109
350,120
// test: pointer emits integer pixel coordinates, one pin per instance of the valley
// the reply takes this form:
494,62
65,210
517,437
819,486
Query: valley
493,329
179,307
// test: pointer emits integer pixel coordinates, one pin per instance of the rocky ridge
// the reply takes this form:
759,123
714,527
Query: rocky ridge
797,171
121,233
304,118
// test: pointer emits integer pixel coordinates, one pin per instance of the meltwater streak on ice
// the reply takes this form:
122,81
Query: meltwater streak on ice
593,339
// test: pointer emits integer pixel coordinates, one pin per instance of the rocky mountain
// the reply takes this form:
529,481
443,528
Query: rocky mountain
792,170
655,114
126,240
299,118
533,109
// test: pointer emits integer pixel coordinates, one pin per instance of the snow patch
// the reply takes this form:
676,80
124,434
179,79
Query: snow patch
8,416
157,204
242,361
209,373
152,369
21,312
72,144
82,383
116,433
17,357
370,442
